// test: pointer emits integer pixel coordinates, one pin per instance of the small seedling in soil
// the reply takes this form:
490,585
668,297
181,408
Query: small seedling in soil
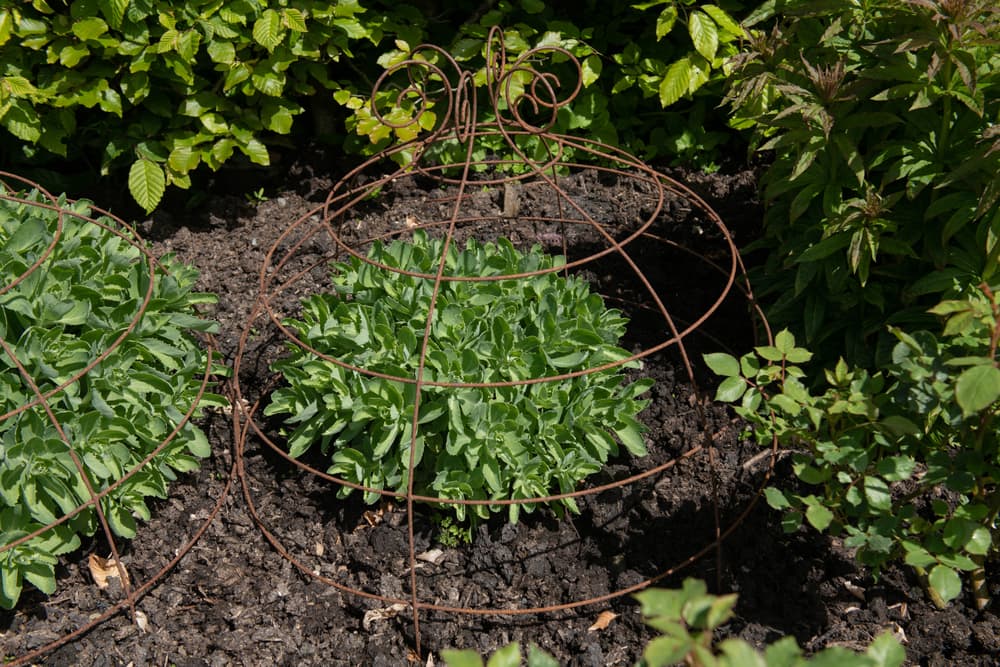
475,443
687,619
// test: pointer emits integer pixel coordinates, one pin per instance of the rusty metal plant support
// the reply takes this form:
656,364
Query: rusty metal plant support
12,188
524,103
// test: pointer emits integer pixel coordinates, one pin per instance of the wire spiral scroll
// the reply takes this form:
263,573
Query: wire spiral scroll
523,100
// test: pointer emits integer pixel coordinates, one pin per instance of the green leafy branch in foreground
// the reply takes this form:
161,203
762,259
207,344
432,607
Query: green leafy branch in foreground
57,320
490,443
904,462
687,619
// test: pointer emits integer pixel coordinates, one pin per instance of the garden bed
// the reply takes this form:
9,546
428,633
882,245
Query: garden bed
234,600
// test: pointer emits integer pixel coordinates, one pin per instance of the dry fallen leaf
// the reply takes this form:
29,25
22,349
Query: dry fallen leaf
432,556
373,518
603,620
103,569
373,615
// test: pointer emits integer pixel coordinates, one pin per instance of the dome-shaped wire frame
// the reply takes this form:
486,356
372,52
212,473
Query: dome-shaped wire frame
524,105
19,190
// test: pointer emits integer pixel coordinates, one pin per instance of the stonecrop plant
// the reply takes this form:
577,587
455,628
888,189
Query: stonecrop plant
56,321
489,443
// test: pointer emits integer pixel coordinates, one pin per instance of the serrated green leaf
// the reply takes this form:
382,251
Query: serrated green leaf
979,542
539,658
221,52
977,388
268,30
183,159
722,364
877,493
665,21
22,121
945,582
704,34
89,28
776,499
114,11
17,86
731,389
723,20
256,151
819,517
293,19
675,82
146,183
784,341
591,69
886,651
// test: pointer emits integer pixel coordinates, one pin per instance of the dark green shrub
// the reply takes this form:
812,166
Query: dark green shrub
161,88
886,176
490,443
904,462
636,61
56,321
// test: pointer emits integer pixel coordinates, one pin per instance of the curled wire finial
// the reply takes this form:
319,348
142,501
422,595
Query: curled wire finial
524,98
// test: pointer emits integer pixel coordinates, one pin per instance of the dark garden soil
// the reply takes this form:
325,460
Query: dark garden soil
234,600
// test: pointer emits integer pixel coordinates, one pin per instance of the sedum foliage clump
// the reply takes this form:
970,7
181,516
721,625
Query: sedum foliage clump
488,443
55,322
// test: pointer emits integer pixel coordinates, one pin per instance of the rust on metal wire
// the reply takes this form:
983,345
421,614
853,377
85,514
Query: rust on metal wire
17,189
522,103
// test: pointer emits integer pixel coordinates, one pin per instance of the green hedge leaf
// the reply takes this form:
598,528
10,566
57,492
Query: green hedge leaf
146,182
704,34
268,30
665,21
675,83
